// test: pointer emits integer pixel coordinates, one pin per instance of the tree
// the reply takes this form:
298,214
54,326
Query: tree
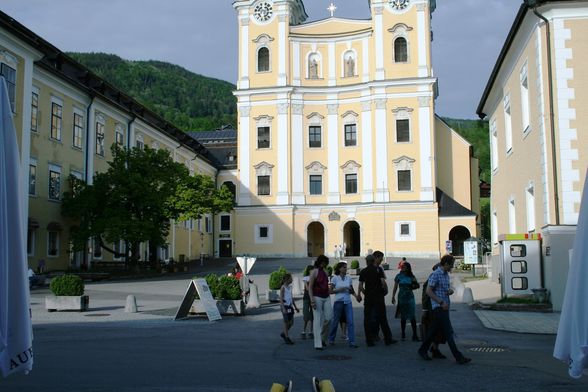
129,202
198,195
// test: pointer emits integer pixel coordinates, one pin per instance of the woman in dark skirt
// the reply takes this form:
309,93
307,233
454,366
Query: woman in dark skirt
406,282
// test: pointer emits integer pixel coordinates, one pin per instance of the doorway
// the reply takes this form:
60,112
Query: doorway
315,237
458,235
225,248
351,239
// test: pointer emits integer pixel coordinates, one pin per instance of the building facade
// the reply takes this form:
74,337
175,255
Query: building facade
536,102
67,118
339,146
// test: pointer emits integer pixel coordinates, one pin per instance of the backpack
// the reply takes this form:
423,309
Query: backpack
425,299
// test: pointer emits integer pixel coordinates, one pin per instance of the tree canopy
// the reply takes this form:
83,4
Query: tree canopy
135,199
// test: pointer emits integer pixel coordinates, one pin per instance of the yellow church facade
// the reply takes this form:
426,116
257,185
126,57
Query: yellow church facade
339,147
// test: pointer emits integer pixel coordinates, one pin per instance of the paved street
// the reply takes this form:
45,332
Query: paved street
106,349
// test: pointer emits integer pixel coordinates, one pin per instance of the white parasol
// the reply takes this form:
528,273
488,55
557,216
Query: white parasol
571,345
16,351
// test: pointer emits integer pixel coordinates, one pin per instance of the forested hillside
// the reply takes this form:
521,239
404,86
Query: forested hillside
194,102
190,101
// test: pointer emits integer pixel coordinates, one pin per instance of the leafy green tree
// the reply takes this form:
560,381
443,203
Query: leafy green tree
134,200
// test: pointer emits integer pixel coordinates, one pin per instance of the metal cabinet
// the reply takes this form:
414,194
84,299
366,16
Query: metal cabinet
520,256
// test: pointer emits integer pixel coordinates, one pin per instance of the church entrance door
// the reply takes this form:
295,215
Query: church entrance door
315,237
352,239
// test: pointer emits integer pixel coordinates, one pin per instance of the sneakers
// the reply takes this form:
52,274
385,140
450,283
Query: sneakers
463,360
287,340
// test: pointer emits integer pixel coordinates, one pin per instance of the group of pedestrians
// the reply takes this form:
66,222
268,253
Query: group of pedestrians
326,318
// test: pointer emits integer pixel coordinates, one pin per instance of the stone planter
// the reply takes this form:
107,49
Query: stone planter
226,307
66,302
273,295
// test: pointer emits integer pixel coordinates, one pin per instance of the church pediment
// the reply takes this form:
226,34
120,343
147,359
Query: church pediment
316,168
350,167
403,163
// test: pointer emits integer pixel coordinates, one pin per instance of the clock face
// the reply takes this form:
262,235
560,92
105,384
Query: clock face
399,4
263,11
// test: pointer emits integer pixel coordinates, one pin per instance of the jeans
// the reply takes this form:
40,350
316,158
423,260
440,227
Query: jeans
322,317
441,322
374,318
339,308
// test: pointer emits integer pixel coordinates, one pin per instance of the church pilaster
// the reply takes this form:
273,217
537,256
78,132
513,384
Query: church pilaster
333,148
283,154
367,195
244,159
382,194
297,154
426,153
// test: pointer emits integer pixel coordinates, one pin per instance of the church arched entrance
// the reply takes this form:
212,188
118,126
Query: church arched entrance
315,237
351,239
458,235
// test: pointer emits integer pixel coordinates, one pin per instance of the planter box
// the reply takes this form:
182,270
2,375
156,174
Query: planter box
273,295
65,302
226,307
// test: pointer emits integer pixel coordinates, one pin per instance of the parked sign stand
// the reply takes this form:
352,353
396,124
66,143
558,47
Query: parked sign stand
471,253
209,303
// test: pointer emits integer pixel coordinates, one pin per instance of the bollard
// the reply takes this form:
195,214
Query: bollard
468,296
131,305
253,302
296,284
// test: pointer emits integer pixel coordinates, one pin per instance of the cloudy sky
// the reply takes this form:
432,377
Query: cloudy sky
201,35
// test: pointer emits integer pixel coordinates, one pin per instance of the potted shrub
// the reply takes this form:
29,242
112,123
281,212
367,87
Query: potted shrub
68,294
354,267
385,265
275,282
227,293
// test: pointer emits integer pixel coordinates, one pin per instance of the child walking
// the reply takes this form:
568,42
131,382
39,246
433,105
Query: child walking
288,306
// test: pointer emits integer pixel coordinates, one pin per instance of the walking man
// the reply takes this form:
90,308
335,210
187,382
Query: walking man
372,284
439,290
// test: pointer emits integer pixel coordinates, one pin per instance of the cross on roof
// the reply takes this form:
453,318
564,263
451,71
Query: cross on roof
332,8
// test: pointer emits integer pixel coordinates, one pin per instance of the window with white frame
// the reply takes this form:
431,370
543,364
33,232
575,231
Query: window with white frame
350,119
52,243
507,124
494,227
314,136
56,120
525,98
9,74
512,216
315,173
78,130
402,116
400,50
530,196
264,234
405,231
207,225
494,144
350,171
403,166
35,111
100,135
32,176
119,136
119,248
263,171
263,124
54,182
225,223
140,142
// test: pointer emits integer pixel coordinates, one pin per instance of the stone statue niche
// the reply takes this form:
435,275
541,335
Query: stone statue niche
313,67
349,65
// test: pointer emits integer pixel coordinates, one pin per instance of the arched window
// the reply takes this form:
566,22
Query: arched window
400,50
263,59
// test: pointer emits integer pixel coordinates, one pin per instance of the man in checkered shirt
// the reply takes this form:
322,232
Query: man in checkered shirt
439,289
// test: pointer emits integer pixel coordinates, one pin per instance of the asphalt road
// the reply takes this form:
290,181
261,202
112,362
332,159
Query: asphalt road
109,350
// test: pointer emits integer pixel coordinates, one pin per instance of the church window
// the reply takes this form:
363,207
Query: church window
402,130
351,183
400,50
263,185
314,136
350,135
404,180
263,137
9,74
316,185
263,59
56,120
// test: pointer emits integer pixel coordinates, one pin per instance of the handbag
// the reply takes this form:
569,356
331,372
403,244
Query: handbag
414,284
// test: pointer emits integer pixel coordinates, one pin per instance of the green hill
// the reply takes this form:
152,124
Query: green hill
190,101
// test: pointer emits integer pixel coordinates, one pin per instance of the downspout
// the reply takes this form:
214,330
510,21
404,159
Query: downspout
85,259
551,110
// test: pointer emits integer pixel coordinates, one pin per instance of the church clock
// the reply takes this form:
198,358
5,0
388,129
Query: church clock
263,11
399,4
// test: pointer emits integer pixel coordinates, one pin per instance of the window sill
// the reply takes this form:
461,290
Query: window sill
54,201
77,148
354,146
55,141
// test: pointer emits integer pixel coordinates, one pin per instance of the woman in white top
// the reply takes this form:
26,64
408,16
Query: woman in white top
342,286
287,305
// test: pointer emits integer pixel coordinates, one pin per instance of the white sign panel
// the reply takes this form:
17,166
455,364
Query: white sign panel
246,263
208,302
470,252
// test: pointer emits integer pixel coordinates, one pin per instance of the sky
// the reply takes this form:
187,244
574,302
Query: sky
202,36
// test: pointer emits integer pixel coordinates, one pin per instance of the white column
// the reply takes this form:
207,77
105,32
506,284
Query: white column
296,63
379,37
333,151
91,132
297,154
244,159
367,152
332,65
244,77
366,60
426,153
282,23
422,38
283,155
382,194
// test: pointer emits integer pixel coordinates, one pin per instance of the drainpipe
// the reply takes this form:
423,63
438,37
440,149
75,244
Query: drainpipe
534,4
87,157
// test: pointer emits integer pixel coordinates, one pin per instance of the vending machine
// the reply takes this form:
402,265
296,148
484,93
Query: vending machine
520,255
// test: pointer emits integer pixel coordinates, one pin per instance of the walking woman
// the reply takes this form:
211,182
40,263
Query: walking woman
406,281
342,287
318,290
306,308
